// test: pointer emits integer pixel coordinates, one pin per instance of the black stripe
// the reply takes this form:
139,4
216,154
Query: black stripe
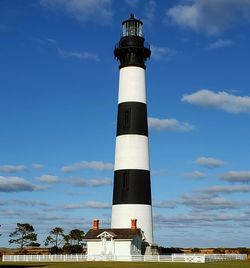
132,186
132,119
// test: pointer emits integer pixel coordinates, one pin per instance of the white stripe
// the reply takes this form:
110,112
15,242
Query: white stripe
131,152
132,84
122,215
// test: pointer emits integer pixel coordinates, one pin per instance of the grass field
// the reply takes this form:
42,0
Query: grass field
233,264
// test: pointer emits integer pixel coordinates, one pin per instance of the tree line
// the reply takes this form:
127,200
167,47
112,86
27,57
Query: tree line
237,250
58,242
72,243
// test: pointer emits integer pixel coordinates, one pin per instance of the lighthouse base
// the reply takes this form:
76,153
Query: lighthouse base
122,215
149,249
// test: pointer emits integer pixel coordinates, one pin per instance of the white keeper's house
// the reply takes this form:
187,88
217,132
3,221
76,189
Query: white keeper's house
119,242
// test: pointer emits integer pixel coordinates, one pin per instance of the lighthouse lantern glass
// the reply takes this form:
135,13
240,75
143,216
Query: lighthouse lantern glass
132,27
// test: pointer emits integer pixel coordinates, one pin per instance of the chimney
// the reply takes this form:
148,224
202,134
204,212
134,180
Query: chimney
133,224
95,224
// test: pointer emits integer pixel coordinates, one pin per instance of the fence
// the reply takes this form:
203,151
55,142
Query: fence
195,258
225,257
151,258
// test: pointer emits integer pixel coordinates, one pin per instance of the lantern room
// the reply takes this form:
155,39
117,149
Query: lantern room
132,27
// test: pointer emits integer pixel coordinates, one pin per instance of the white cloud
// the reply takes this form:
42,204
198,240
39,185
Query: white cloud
165,204
237,176
200,219
159,53
33,203
98,11
195,175
225,189
220,43
97,165
221,100
184,16
95,204
12,168
209,162
74,206
3,203
209,16
20,213
207,202
89,204
169,124
81,55
92,182
16,184
37,166
48,178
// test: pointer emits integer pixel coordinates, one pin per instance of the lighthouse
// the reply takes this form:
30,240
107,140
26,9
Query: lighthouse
131,188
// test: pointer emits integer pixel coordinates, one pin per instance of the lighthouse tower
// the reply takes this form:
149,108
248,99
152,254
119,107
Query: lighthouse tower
132,190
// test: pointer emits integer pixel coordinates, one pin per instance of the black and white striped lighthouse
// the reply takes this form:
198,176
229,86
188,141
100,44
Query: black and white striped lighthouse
132,190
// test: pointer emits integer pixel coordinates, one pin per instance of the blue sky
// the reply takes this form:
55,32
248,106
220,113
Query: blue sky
58,105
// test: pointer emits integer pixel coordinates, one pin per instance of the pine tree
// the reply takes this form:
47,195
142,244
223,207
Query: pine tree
55,237
24,235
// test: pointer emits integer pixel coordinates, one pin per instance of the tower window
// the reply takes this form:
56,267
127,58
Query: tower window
125,181
127,119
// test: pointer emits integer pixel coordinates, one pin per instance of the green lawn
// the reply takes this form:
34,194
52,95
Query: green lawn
234,264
